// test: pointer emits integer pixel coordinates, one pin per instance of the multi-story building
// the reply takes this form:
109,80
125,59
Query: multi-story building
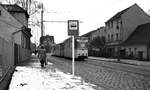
121,26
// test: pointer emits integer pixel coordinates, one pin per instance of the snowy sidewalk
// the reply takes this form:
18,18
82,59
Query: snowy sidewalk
136,62
33,77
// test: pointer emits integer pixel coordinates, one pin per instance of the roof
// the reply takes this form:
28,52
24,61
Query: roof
89,33
14,8
141,35
119,14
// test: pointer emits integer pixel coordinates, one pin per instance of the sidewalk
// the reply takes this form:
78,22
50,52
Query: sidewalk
30,76
127,61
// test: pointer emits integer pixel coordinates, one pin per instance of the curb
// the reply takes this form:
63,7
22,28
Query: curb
132,62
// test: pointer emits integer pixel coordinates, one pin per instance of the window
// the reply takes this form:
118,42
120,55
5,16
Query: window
112,37
108,25
117,36
129,49
108,37
135,51
112,24
117,25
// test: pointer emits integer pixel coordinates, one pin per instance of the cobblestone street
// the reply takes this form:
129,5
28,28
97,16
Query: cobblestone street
108,78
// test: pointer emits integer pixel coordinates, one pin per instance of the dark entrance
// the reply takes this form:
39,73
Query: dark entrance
16,54
140,55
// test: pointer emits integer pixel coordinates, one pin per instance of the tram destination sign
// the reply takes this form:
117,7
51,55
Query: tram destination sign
73,27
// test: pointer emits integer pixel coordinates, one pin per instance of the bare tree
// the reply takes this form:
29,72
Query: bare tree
31,6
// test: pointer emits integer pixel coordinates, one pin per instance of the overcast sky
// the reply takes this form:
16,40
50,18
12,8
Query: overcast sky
93,13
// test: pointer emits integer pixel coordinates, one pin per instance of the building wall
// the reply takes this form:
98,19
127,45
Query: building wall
131,19
8,25
11,33
113,29
135,49
6,56
25,54
6,53
125,25
20,16
17,38
100,32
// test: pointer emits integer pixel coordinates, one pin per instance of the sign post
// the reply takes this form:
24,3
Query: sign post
73,30
73,68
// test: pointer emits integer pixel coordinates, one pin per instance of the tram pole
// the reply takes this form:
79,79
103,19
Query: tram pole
42,31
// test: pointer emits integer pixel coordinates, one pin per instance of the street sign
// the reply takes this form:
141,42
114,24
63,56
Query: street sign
73,30
73,27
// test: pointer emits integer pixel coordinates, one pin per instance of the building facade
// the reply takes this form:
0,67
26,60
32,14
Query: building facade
121,26
22,36
11,43
137,46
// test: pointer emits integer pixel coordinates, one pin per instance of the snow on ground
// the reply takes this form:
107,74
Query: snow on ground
48,78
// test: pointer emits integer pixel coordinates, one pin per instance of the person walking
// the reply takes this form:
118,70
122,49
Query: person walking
42,56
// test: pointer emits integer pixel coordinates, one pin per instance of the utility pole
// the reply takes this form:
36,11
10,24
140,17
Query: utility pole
42,32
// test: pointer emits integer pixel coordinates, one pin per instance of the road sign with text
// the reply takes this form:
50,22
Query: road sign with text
73,27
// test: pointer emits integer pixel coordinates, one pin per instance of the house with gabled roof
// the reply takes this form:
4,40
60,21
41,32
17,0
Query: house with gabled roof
121,26
15,35
138,43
